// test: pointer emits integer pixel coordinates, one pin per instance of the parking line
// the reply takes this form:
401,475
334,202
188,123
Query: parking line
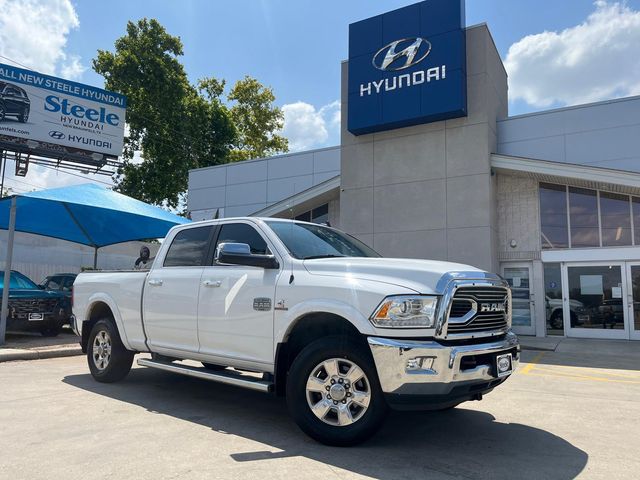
529,366
548,373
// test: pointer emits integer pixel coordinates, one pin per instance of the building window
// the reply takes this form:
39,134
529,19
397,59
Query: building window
553,216
583,217
317,215
635,205
615,217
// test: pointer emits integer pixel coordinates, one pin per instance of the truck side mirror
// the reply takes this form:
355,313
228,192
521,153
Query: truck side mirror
240,254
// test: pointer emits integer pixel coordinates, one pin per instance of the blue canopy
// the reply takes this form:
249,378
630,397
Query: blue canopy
88,214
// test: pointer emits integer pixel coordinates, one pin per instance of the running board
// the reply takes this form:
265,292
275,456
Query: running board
226,376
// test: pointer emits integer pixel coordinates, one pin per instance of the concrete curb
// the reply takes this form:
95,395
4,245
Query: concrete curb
13,354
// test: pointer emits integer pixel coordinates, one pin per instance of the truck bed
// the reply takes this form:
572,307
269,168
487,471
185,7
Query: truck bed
122,291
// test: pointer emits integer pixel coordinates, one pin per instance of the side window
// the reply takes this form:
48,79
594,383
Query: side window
54,283
189,248
243,233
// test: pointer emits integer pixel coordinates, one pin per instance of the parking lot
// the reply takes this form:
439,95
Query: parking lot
561,416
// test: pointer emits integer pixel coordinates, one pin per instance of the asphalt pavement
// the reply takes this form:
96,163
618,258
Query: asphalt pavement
561,416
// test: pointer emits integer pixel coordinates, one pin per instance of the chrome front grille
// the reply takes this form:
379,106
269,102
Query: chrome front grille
478,310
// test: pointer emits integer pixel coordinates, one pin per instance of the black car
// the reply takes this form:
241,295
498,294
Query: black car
31,308
14,102
61,282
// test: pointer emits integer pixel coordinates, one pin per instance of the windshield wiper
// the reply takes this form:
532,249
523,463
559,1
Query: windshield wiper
328,255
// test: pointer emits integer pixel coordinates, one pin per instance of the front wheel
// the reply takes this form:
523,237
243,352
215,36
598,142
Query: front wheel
24,116
333,392
109,360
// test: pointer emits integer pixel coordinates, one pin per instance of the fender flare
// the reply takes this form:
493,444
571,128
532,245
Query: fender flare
318,306
106,299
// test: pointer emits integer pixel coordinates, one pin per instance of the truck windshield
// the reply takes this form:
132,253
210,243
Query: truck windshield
307,241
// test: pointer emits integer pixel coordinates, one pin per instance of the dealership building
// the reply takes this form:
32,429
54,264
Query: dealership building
430,165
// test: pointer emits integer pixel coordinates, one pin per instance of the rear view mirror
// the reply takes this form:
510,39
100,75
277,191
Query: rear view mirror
240,254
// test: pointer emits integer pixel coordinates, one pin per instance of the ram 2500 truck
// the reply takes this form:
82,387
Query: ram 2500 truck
307,312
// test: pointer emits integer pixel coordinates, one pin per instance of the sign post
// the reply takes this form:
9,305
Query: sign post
4,313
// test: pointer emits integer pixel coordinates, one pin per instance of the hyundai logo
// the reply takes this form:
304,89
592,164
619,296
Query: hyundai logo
57,135
413,53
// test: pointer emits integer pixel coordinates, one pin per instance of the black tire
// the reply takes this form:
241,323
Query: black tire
3,112
24,116
371,419
50,331
213,366
120,359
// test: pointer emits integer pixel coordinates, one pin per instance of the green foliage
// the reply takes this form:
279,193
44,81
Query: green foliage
257,120
178,126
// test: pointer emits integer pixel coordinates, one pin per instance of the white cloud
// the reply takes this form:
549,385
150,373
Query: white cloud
307,127
595,60
34,33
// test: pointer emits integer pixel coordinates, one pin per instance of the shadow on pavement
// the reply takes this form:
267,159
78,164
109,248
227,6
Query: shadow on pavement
29,340
457,443
590,354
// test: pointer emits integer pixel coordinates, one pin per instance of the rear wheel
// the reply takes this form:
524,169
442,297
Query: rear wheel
333,392
109,360
3,112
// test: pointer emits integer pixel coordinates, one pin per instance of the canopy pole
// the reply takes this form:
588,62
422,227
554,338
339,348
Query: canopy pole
7,271
95,258
4,168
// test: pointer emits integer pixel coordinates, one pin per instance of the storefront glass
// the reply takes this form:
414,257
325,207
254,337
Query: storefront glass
518,279
553,299
615,216
595,297
553,216
583,217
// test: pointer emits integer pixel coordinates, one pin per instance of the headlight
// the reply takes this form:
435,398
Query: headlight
406,311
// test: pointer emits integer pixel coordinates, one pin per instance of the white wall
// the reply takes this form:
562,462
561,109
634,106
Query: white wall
37,256
242,188
604,134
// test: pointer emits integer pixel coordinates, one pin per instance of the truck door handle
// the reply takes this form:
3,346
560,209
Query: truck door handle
155,282
212,283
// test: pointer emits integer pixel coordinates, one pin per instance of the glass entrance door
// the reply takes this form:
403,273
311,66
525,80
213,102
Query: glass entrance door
633,299
518,276
594,300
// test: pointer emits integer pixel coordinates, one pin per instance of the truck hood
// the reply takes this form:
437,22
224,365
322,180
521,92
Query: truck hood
32,293
422,276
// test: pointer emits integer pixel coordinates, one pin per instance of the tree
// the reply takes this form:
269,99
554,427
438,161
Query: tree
257,120
170,122
178,126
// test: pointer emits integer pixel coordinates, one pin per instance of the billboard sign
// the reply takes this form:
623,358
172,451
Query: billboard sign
407,67
57,116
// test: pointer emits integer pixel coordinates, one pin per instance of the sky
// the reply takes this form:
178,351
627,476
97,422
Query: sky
556,53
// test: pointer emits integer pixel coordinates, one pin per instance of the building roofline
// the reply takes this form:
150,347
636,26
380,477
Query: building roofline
261,159
568,172
298,198
572,107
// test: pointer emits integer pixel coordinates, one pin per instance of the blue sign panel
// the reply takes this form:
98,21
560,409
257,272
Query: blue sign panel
407,67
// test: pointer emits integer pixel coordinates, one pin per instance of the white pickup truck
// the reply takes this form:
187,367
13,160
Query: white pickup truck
305,311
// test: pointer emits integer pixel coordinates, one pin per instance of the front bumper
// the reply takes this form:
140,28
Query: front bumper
447,373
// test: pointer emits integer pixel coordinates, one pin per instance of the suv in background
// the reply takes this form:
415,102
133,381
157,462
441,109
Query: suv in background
31,308
61,282
14,102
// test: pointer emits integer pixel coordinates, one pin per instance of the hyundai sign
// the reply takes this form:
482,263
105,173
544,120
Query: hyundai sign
407,67
59,116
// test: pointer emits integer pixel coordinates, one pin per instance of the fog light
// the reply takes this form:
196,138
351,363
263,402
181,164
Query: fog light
420,363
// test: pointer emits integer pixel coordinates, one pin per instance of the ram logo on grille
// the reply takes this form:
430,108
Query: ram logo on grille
492,307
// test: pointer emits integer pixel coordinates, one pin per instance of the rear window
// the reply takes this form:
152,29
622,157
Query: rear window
189,248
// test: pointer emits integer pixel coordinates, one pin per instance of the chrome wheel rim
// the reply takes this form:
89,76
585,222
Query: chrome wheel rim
338,392
102,350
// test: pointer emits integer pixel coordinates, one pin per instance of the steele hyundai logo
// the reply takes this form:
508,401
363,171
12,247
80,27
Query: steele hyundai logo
57,135
386,62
